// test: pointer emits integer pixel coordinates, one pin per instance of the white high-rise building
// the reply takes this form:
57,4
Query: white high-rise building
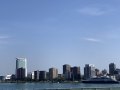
53,73
89,71
21,67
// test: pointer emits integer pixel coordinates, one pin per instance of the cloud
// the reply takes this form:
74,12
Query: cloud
92,39
92,11
4,39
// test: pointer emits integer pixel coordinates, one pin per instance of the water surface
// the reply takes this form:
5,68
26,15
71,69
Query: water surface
39,86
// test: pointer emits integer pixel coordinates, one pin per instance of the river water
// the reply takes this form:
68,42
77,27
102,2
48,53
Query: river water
60,86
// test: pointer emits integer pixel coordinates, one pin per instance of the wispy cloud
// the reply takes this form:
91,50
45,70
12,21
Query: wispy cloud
93,11
4,39
92,39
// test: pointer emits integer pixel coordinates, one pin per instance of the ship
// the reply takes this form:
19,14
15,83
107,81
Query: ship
101,80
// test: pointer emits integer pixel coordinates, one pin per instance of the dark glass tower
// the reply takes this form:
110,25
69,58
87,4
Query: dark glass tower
112,68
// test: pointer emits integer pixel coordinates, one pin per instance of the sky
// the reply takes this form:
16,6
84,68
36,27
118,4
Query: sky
50,33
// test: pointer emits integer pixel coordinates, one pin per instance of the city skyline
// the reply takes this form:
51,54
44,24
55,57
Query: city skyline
70,74
56,32
89,71
21,67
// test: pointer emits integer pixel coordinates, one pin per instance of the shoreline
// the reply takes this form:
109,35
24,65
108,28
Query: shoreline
40,82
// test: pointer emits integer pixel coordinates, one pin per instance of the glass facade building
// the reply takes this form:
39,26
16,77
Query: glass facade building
21,63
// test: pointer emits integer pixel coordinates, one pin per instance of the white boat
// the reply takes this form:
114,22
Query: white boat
101,80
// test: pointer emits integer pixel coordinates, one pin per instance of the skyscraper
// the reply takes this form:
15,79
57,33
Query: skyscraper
67,71
43,75
53,73
89,71
21,68
112,68
20,74
66,68
75,73
36,75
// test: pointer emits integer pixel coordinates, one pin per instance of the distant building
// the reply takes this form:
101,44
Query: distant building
21,74
104,72
97,72
36,75
75,73
89,71
47,75
21,68
60,77
29,76
66,68
2,78
53,73
117,71
92,67
117,74
13,77
112,68
67,71
32,75
43,75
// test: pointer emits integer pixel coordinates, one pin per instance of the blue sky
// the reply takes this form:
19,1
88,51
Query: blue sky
50,33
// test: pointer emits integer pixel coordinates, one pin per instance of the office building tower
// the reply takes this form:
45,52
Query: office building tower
21,68
36,75
67,71
89,71
53,73
97,72
117,71
76,73
13,77
20,74
30,76
93,73
47,75
112,68
43,75
2,78
66,68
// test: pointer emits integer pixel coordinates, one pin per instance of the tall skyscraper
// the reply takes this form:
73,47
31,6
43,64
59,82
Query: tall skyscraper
36,75
21,68
112,68
67,71
53,73
43,75
76,73
20,74
66,68
89,71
